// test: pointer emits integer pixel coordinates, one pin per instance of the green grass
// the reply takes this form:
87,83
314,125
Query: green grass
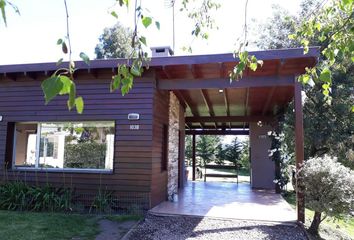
241,172
344,225
35,226
54,226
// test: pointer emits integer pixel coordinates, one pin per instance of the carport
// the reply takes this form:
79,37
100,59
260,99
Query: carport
251,105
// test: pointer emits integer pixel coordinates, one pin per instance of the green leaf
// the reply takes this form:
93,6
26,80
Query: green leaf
318,26
115,83
325,86
3,12
79,103
352,59
352,108
146,21
253,66
51,88
291,36
325,75
85,58
304,78
157,24
64,48
59,62
72,94
142,39
66,84
114,14
347,2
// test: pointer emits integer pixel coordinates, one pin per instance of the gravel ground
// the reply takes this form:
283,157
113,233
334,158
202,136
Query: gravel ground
183,227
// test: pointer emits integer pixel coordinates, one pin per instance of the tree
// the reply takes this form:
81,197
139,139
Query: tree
115,42
188,149
206,148
232,151
329,189
245,156
219,156
328,127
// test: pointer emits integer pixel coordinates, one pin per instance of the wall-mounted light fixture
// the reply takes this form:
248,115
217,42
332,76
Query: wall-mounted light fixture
133,116
0,118
221,90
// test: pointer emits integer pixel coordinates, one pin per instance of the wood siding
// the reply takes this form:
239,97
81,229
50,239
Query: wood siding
22,101
159,177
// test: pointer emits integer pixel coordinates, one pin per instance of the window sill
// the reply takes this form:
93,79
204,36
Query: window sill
61,170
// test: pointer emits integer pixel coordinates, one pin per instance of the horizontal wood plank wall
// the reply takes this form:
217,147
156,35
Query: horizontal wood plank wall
22,100
159,177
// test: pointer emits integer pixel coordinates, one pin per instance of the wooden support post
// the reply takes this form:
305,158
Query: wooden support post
299,152
193,157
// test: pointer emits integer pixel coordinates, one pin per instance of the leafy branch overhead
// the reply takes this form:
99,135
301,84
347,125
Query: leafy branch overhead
332,27
3,5
61,82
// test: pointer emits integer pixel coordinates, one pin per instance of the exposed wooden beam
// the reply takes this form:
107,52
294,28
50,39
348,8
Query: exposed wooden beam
93,72
280,65
209,127
269,99
165,71
222,71
246,105
193,71
30,75
180,98
221,83
230,119
299,151
208,104
217,132
227,104
186,99
11,76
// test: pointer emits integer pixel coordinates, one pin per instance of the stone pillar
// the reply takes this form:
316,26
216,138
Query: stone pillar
173,144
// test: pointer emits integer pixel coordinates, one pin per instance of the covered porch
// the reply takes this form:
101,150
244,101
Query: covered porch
228,200
249,106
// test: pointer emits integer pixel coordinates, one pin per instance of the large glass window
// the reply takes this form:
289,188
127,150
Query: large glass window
65,145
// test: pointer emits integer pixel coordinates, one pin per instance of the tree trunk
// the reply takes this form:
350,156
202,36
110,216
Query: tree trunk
315,223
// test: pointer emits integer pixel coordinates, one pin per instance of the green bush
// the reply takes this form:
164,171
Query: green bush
22,197
85,155
329,188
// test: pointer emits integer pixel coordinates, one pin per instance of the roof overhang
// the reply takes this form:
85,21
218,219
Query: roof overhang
202,84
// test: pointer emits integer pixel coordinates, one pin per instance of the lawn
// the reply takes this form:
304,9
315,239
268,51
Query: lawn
36,226
329,226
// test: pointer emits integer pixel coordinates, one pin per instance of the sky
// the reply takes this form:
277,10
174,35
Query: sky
32,36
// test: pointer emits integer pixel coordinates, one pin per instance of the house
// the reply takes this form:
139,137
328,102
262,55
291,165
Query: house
134,145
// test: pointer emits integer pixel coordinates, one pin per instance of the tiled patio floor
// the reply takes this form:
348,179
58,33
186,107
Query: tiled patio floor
228,200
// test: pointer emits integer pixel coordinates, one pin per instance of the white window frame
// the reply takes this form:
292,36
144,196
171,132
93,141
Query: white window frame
37,167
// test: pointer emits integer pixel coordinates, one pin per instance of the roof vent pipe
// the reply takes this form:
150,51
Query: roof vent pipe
161,51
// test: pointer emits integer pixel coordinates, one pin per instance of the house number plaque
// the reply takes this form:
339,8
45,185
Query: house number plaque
134,127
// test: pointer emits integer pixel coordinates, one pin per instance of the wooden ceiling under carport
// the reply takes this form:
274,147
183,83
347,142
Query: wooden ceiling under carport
257,96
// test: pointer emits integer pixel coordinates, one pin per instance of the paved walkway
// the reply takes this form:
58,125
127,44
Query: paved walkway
228,200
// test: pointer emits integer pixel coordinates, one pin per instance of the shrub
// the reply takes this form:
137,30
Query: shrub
102,202
20,196
329,188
